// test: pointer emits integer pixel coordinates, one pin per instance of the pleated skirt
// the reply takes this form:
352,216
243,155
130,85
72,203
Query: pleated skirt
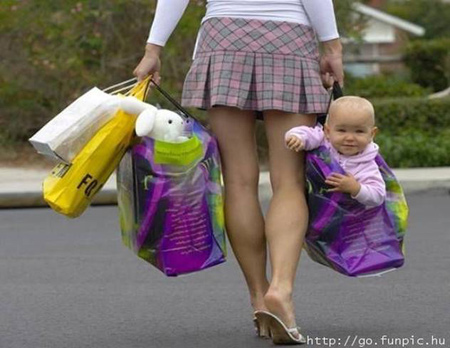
256,65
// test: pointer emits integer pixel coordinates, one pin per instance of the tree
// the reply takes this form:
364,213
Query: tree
350,24
433,15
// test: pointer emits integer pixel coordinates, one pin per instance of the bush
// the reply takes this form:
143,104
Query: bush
427,115
415,149
66,48
413,132
383,86
429,62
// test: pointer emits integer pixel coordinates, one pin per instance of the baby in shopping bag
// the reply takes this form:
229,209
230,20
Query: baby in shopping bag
348,134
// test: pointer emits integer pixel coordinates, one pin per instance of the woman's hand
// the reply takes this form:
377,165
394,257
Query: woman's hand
150,64
331,68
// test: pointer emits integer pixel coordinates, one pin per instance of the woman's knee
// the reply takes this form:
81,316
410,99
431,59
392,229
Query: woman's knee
286,166
286,169
280,181
241,181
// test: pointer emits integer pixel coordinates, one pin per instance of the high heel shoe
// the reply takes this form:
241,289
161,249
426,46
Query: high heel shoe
261,327
280,333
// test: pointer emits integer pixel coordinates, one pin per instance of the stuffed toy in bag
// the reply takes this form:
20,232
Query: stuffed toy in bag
159,124
169,193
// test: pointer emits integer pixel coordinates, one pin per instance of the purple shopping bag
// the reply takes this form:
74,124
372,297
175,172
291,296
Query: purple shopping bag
347,236
171,204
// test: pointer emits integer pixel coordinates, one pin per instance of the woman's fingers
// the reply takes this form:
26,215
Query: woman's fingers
140,72
157,77
147,66
331,64
327,80
337,69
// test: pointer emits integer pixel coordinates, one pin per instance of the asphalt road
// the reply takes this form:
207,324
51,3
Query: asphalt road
71,283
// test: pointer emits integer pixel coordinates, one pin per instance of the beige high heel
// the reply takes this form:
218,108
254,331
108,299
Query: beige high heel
280,333
261,327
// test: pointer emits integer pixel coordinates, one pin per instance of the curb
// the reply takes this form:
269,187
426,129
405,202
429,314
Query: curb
412,180
34,199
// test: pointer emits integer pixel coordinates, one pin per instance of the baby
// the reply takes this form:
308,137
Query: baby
348,134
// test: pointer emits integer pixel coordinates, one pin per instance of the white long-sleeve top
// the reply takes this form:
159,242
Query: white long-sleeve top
316,13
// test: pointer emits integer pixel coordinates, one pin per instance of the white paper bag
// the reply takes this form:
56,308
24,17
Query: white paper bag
65,135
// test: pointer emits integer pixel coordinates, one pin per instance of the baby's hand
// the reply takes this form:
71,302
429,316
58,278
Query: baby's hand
343,183
294,143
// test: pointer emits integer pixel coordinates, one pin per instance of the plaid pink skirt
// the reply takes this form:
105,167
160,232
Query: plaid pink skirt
256,65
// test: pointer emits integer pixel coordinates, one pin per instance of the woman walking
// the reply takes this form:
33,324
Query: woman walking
259,58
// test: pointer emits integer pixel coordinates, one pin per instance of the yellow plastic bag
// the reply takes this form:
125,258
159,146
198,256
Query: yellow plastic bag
69,188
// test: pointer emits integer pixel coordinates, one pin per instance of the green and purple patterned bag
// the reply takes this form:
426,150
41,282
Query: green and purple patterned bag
171,204
347,236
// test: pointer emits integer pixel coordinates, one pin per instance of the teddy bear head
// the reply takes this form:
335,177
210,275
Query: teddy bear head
164,125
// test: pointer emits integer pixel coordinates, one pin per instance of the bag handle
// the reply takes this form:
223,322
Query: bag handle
186,113
336,92
130,87
121,86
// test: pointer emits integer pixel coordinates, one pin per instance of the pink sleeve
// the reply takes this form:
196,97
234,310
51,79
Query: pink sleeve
373,188
311,136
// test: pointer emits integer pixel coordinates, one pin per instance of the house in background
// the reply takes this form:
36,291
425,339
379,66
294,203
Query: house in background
383,39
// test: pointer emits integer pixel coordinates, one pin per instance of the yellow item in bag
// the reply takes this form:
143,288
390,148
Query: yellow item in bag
69,188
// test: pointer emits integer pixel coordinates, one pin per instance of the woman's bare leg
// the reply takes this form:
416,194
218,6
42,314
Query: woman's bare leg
235,132
287,217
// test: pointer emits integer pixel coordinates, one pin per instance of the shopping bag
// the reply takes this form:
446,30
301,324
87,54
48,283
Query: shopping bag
171,204
347,236
67,133
70,188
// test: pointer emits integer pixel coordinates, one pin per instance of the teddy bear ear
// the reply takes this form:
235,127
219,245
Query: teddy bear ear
145,122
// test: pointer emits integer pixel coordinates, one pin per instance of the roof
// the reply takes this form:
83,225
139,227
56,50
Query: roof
389,19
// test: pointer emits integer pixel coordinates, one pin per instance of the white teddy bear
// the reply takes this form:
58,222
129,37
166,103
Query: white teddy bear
164,125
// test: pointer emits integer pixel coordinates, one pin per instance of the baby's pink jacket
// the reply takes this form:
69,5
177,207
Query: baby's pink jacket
362,166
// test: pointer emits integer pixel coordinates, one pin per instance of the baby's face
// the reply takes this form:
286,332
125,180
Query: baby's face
350,132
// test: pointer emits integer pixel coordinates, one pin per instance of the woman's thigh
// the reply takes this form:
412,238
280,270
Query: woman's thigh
235,133
286,166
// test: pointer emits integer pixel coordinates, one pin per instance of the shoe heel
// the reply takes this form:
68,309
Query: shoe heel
262,328
279,333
